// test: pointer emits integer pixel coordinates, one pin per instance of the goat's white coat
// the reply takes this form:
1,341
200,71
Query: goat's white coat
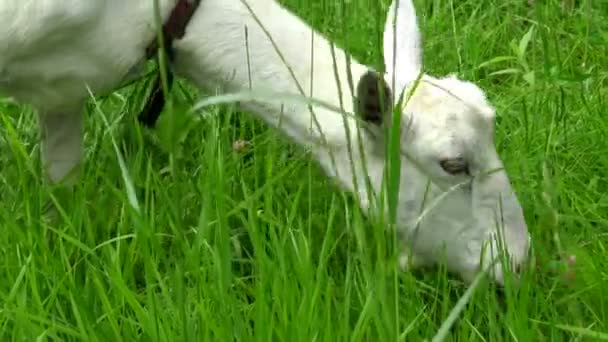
52,50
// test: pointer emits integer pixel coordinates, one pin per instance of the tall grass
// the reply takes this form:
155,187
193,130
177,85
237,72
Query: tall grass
179,234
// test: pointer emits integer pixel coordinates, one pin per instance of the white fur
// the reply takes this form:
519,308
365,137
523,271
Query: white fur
53,49
403,56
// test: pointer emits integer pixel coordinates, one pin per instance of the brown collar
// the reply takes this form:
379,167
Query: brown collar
173,29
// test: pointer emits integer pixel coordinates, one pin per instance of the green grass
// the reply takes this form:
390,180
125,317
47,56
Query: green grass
260,245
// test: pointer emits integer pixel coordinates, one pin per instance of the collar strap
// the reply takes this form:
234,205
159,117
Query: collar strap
173,29
175,26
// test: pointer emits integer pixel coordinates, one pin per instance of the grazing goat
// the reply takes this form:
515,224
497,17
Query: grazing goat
54,51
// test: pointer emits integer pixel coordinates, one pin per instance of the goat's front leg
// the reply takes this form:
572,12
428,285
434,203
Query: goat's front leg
61,146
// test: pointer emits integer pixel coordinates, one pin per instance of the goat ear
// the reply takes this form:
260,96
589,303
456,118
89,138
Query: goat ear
402,44
373,102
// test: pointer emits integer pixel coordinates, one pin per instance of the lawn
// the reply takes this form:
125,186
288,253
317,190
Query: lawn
216,228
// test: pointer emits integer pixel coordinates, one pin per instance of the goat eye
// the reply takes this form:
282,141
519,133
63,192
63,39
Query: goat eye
454,166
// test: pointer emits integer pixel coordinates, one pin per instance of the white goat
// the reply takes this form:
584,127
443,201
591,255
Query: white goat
51,51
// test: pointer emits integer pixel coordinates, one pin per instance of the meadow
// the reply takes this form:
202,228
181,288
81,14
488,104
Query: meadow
213,227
